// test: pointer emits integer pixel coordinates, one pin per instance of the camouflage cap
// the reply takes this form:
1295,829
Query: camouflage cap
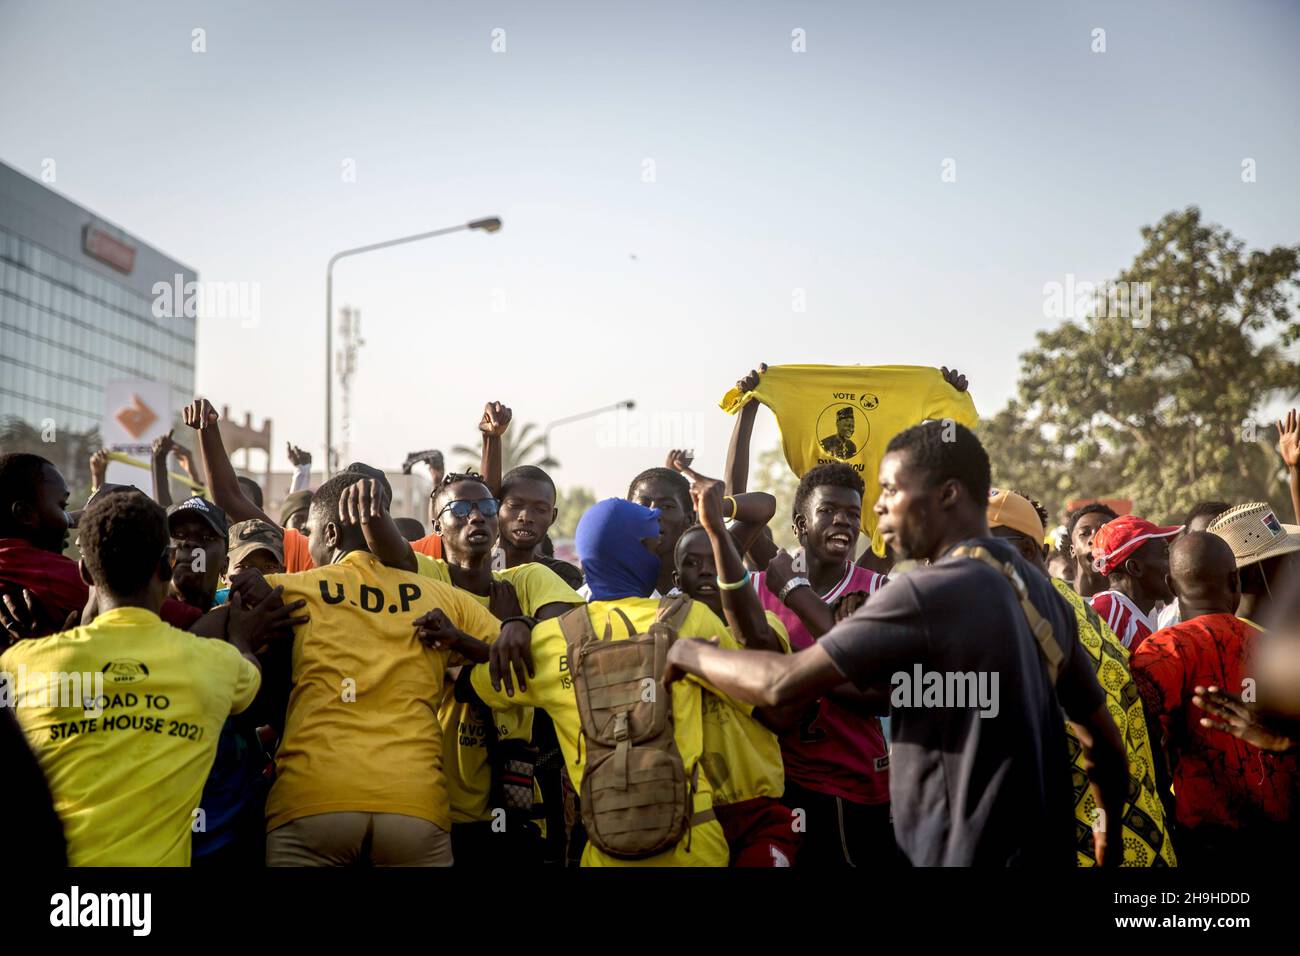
255,535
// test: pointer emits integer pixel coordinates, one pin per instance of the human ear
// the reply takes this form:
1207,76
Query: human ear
949,492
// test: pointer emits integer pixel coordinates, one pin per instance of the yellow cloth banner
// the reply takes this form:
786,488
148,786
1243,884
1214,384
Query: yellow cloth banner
848,413
126,459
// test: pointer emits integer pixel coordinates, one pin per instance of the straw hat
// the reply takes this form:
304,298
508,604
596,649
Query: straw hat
1254,533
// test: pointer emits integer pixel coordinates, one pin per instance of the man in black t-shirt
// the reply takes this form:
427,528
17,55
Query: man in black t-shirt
979,773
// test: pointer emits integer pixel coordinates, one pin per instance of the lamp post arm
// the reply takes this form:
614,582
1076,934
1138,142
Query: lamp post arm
484,224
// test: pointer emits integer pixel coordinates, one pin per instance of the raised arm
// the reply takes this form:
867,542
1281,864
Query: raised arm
737,473
162,447
98,469
493,424
1288,443
301,461
740,605
749,511
223,483
362,503
185,459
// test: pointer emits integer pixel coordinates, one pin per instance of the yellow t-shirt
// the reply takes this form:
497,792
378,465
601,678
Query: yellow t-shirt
848,413
1146,837
741,756
127,773
464,732
362,731
552,690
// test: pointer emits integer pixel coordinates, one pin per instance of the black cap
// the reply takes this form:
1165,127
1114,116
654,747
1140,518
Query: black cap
203,508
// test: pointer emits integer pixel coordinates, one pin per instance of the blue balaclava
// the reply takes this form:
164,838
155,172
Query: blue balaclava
614,561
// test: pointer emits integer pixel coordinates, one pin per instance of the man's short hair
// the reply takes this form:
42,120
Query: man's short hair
694,528
526,473
455,478
20,472
1038,507
1092,507
1206,509
677,481
370,471
325,499
412,529
252,490
122,539
947,450
833,474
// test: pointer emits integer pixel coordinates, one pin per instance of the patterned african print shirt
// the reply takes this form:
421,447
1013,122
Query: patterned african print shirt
1146,838
1218,780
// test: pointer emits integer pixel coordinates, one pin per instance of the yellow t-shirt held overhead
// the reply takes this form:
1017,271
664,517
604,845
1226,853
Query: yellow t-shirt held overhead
552,690
362,731
464,740
128,753
848,413
742,757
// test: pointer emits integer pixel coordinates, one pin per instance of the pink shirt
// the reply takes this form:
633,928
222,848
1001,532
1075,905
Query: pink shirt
834,751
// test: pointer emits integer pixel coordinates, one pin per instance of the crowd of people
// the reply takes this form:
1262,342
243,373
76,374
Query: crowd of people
217,683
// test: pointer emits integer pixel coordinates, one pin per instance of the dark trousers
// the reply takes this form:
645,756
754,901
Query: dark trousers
1256,844
840,833
479,846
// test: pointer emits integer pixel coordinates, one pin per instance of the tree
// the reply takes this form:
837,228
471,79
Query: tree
571,504
774,476
70,451
1159,408
518,447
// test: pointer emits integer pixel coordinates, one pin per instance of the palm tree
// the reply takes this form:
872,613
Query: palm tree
522,447
69,450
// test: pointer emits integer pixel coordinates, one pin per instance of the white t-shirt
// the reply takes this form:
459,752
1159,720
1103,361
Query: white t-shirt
1169,615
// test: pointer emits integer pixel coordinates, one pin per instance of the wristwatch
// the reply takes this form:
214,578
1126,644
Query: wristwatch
791,585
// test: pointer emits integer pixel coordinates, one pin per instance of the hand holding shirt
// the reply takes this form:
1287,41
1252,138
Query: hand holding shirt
848,413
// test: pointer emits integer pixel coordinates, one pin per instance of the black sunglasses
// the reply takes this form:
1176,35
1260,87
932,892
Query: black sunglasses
461,508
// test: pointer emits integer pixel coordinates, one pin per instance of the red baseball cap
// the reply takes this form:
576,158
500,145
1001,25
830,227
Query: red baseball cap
1116,540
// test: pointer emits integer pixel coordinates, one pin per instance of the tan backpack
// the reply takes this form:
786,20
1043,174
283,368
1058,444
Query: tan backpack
636,797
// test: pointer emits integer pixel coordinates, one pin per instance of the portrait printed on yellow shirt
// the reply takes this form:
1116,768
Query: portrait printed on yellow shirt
848,420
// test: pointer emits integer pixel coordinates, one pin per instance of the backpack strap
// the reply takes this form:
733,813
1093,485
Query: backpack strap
673,610
631,628
575,624
1048,648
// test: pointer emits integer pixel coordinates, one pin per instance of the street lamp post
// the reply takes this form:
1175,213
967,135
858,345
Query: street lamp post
546,432
491,224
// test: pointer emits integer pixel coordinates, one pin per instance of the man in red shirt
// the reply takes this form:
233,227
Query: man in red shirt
1133,554
34,529
1233,800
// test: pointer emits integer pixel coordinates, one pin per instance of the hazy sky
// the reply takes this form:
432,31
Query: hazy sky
773,171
